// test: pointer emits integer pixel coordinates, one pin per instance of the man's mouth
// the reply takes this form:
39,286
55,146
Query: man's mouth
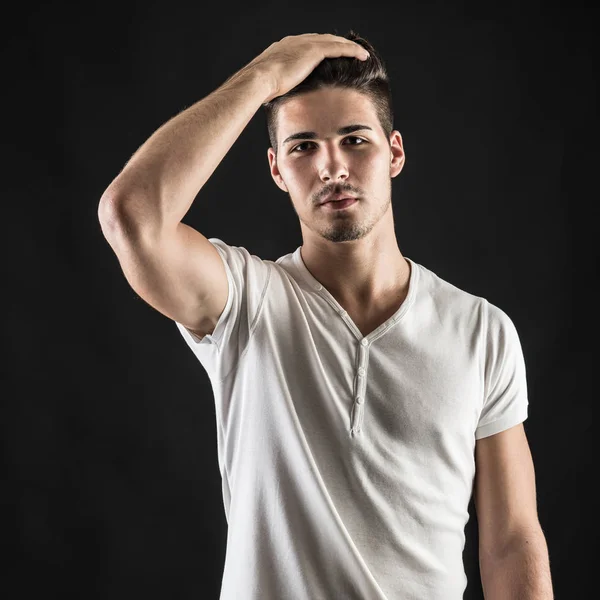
339,204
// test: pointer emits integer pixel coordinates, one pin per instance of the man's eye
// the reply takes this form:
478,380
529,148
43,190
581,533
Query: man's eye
353,137
350,137
299,145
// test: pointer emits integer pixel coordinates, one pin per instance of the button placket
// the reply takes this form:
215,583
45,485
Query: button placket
358,406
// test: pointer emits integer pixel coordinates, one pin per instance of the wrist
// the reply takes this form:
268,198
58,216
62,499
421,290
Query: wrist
261,80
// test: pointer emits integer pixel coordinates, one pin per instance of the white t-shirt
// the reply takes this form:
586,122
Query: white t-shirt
348,462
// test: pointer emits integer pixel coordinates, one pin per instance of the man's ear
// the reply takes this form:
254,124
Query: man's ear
398,157
275,174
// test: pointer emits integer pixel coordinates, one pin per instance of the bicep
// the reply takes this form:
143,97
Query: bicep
178,272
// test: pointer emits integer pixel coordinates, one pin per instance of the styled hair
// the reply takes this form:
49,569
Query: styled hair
368,77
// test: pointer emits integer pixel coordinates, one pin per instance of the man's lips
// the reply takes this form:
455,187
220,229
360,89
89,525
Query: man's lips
339,204
337,198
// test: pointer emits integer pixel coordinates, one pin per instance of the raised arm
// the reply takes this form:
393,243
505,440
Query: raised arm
170,265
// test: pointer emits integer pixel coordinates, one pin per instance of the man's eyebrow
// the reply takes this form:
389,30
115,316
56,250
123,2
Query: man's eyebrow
311,135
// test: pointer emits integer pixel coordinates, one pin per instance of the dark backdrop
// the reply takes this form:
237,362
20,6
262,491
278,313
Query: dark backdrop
110,481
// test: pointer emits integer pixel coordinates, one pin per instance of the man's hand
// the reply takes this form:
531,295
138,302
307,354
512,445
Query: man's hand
292,59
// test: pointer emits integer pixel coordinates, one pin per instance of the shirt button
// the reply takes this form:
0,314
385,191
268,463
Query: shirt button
359,400
318,287
361,371
364,342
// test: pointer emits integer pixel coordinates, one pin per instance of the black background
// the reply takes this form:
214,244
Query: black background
110,481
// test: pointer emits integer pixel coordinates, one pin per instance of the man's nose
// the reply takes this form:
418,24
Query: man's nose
334,166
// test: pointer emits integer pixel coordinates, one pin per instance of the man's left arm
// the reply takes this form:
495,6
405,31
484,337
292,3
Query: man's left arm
513,554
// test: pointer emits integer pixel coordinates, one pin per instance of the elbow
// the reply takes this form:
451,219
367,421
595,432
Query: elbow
117,221
127,220
107,210
112,215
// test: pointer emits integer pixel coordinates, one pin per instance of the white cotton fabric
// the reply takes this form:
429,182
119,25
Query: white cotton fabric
348,463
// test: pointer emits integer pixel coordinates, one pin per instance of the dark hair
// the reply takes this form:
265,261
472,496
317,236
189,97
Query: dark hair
366,76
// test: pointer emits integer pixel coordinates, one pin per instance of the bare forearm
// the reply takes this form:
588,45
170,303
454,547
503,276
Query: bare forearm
161,180
522,573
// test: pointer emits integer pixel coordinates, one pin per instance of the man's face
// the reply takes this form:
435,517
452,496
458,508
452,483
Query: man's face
358,163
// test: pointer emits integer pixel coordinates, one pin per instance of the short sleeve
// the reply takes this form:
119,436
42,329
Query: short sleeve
247,277
505,397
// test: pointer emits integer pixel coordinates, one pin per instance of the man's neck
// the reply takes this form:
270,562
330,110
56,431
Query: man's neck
362,285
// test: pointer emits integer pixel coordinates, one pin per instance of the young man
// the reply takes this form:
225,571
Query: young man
360,398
